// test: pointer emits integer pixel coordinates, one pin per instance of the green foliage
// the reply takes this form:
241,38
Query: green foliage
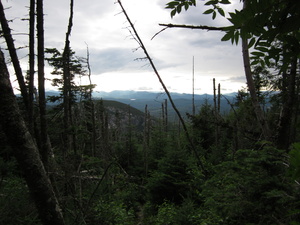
294,168
271,25
57,61
249,189
216,8
177,6
16,206
75,67
112,212
166,214
170,181
203,127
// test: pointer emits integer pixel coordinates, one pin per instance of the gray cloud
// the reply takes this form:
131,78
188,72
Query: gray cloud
111,47
239,79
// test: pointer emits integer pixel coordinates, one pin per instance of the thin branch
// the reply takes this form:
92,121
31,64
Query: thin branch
209,28
200,27
159,32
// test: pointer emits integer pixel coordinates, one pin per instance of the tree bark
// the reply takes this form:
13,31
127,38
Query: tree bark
26,152
31,66
13,54
67,84
251,87
284,138
45,142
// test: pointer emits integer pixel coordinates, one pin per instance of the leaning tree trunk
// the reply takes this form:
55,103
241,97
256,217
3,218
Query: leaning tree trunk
13,54
251,86
26,152
31,65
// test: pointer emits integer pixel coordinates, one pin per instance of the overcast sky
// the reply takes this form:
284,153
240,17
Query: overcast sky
113,53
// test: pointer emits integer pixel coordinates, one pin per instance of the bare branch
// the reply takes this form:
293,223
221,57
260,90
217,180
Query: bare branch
159,32
200,27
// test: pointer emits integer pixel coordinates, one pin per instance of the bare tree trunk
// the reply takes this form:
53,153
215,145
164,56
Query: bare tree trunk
13,54
45,142
26,152
93,136
193,100
67,84
146,139
162,129
129,138
33,125
216,112
31,65
219,98
215,96
166,115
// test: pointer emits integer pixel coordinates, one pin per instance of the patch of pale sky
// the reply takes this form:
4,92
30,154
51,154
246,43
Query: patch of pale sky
112,50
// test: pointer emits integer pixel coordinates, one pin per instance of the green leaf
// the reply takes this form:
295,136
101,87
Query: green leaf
236,37
262,63
227,36
173,13
225,2
221,11
212,2
261,43
209,11
186,6
179,7
254,62
267,61
172,5
214,15
251,42
262,49
260,54
232,39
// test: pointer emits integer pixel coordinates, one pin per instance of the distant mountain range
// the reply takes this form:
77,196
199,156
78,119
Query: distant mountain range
154,100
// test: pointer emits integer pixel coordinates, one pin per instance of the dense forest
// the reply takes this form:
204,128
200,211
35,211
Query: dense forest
81,160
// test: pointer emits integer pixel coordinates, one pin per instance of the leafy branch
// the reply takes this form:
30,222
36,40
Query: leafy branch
177,6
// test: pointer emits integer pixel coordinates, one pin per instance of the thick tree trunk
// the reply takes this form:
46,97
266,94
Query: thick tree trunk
284,138
26,152
13,54
251,87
